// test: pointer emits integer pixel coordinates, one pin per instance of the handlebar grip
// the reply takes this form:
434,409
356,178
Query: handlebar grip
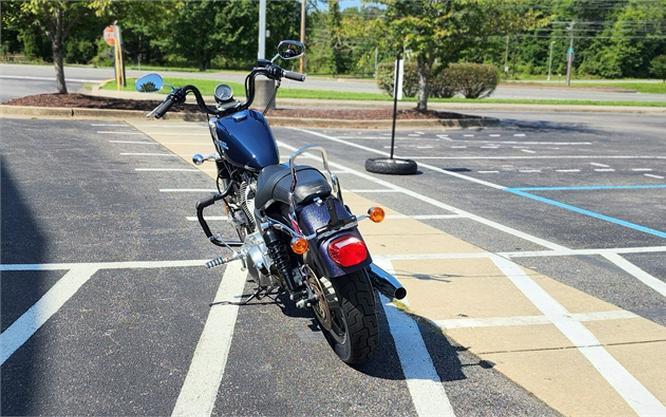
164,107
296,76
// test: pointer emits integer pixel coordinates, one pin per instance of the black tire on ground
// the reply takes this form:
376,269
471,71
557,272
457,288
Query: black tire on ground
391,166
357,314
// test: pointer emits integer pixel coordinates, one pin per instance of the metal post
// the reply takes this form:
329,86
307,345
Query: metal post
550,59
570,53
302,61
395,101
261,54
506,55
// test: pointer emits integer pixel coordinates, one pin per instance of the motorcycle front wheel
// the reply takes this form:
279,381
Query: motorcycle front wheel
353,331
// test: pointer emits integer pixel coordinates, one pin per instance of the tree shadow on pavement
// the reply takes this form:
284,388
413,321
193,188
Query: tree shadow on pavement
22,241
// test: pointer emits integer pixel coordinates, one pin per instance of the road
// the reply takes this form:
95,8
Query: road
41,73
106,308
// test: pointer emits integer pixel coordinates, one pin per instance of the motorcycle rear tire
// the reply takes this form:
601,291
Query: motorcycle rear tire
357,312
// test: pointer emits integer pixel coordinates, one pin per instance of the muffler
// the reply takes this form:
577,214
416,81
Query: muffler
386,283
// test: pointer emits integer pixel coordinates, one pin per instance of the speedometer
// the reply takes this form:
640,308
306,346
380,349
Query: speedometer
223,93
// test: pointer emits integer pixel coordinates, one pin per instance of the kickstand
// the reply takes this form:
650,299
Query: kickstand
259,293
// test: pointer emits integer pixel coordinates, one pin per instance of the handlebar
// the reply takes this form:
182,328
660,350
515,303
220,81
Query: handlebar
177,96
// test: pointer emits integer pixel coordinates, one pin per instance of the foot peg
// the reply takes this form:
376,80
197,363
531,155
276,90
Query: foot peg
221,260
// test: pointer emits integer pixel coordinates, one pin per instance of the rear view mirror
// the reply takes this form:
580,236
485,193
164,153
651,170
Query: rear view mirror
290,49
149,83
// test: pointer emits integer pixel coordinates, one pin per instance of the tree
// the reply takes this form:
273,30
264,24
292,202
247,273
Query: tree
658,67
57,18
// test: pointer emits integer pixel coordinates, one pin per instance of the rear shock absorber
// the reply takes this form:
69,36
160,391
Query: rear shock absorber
279,253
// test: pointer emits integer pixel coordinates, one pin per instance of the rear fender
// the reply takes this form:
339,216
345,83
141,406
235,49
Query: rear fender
313,217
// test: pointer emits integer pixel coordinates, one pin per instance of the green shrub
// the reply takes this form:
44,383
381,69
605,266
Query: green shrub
658,67
472,80
439,85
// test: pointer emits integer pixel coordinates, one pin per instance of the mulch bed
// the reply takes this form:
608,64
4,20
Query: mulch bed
96,102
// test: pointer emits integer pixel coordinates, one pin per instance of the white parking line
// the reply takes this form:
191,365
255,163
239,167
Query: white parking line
425,216
467,323
538,157
382,190
146,154
659,177
494,135
468,136
188,190
487,172
134,142
567,170
604,170
647,279
641,169
489,147
527,150
167,169
199,391
525,171
425,386
458,147
597,164
25,326
104,265
118,132
208,218
520,135
642,401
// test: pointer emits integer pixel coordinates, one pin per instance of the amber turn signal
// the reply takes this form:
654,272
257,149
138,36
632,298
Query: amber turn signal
376,214
299,245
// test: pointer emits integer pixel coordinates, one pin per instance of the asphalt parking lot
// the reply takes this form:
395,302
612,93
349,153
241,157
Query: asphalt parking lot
105,305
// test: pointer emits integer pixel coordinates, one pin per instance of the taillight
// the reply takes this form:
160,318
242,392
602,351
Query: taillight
348,250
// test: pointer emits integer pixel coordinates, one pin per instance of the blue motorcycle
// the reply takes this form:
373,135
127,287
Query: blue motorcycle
296,235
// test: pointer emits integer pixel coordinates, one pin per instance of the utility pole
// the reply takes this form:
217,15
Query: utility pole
302,63
570,53
261,53
550,59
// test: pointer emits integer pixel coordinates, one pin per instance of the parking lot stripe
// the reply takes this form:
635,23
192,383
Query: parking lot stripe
539,157
596,164
487,172
567,170
530,320
424,384
647,279
604,170
591,187
188,190
642,401
167,169
654,176
146,154
119,132
579,252
134,142
432,201
589,213
641,169
25,326
104,265
527,151
208,218
425,216
199,391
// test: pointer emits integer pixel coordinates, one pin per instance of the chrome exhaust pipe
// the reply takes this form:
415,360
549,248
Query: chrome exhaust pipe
386,283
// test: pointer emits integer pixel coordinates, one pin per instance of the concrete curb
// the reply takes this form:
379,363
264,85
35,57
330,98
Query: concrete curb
87,113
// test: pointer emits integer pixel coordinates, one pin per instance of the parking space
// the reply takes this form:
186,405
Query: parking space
106,308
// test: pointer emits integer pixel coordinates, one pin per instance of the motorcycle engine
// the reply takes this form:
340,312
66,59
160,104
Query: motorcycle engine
256,259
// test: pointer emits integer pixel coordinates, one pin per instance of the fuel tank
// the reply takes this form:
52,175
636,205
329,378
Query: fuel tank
246,140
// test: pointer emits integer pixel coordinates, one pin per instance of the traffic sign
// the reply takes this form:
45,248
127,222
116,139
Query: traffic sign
110,35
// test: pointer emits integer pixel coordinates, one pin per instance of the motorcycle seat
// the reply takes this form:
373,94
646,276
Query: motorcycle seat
275,181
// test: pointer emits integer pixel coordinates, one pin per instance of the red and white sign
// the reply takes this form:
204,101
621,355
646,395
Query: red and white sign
110,35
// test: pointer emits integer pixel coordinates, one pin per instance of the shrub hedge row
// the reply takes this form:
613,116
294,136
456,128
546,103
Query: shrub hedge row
469,80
